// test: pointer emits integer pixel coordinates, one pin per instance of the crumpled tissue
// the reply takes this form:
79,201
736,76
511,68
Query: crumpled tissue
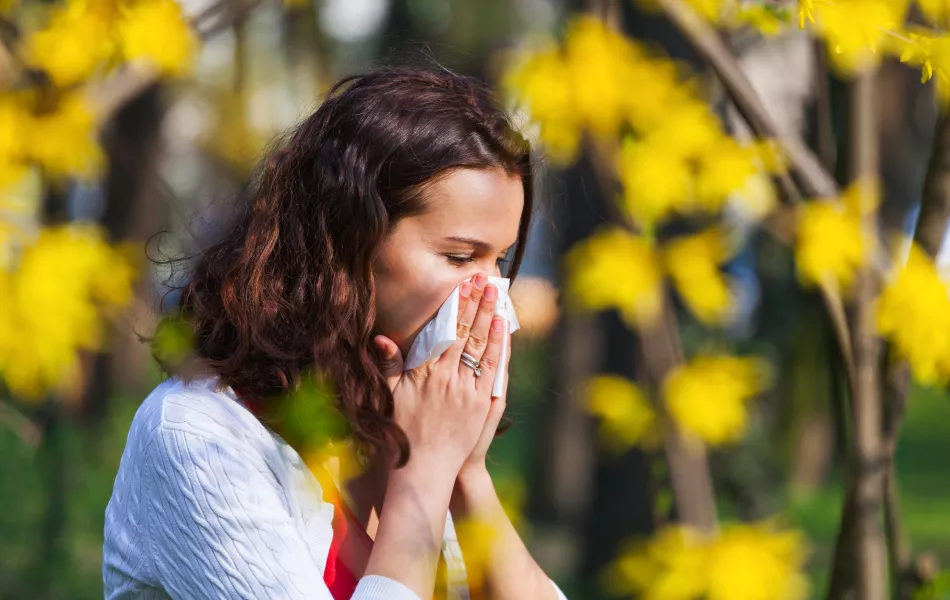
439,333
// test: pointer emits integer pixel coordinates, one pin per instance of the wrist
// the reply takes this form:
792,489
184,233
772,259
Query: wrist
474,491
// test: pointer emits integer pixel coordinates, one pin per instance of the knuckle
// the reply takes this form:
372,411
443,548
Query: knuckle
463,330
489,363
477,341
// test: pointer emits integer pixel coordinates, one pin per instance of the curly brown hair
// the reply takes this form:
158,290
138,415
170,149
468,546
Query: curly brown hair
289,287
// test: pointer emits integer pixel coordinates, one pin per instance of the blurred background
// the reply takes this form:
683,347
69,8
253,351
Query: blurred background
176,150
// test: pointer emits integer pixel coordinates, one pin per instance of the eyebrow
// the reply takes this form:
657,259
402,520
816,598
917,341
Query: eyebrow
478,244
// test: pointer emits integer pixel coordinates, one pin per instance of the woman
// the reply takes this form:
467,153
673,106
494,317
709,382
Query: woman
403,185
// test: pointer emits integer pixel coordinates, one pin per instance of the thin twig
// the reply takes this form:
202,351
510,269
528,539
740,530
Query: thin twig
21,425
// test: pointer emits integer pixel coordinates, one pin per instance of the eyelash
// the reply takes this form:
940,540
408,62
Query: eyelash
464,260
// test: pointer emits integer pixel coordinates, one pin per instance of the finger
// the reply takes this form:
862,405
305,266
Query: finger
466,319
490,358
465,296
478,337
390,359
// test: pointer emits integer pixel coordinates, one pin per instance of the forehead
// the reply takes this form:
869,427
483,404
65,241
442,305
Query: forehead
480,204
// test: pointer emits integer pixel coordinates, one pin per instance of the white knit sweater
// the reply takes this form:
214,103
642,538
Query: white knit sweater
208,503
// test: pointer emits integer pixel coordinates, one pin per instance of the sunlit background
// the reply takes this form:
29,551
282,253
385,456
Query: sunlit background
728,194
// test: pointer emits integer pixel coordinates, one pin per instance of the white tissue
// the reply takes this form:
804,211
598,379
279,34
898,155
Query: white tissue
439,333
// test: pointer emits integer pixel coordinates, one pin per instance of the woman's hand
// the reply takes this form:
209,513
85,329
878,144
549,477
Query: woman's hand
442,406
475,463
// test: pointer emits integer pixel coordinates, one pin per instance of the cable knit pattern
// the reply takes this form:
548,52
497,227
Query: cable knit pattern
208,503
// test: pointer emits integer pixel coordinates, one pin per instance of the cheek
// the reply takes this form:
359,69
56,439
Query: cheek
410,292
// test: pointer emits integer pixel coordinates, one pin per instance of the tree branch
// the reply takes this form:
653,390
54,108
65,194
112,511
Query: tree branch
860,569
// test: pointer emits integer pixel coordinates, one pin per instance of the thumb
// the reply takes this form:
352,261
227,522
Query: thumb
390,359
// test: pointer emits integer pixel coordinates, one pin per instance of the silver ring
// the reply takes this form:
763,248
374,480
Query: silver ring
469,361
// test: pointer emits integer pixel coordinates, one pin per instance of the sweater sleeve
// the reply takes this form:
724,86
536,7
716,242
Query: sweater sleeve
220,527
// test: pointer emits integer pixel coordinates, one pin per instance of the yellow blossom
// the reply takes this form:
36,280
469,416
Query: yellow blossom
339,458
913,313
597,58
806,12
15,123
626,417
708,396
689,131
693,263
670,566
541,83
763,18
754,561
932,55
936,11
76,44
64,141
478,539
725,168
659,91
831,246
54,305
156,32
856,30
656,182
616,269
757,562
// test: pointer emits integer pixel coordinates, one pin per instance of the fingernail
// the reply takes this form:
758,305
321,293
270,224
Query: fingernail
491,292
479,281
496,324
465,290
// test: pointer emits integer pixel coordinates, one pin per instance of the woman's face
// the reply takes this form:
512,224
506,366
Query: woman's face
471,221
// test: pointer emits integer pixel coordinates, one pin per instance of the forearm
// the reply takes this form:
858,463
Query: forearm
509,571
411,526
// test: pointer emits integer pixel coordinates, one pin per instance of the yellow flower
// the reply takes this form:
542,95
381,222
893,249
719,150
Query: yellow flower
932,55
54,305
725,168
831,245
693,263
15,123
744,562
936,11
763,18
64,141
708,396
856,30
656,182
626,417
339,458
670,566
76,44
597,60
616,269
541,83
477,538
659,92
913,313
806,12
156,32
689,131
757,562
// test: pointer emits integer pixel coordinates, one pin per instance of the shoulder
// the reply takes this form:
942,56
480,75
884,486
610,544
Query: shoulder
198,408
